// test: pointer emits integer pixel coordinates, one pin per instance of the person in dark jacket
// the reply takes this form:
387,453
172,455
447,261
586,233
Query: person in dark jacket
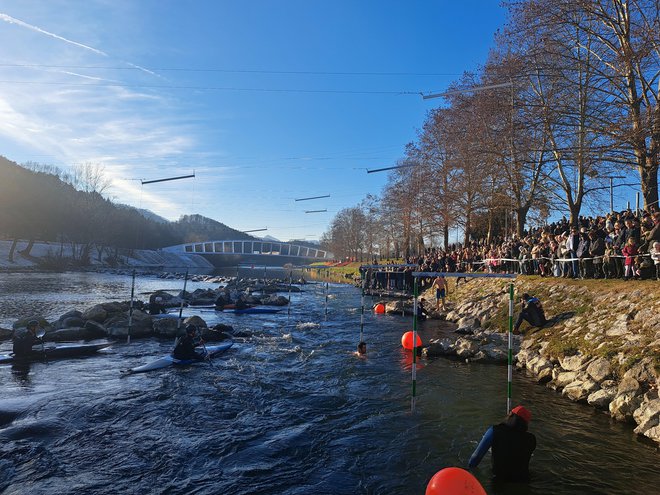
23,343
156,306
596,252
511,444
532,312
185,346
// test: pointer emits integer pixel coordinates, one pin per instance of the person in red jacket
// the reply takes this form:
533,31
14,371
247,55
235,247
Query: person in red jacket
630,251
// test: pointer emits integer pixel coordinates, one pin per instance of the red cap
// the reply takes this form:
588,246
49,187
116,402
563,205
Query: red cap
523,413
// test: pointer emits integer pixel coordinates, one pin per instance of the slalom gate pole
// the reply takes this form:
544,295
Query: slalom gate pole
265,270
326,300
288,308
510,357
414,349
183,294
364,281
130,310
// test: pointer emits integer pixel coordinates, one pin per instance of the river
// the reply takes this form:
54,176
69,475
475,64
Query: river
289,409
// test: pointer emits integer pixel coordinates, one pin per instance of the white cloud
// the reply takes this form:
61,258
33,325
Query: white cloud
75,116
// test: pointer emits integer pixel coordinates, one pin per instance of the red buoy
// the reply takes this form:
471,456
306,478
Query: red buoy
379,309
454,481
407,341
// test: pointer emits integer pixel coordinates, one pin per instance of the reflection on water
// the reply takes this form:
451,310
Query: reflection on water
289,409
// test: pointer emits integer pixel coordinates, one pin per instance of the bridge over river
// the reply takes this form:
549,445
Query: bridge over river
237,252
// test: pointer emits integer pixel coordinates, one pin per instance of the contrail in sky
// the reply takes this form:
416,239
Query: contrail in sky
18,22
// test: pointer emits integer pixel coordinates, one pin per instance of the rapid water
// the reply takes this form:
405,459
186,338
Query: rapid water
288,410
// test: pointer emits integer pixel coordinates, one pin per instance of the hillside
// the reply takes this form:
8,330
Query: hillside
42,203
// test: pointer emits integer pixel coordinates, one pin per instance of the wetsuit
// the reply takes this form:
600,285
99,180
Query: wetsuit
23,344
156,308
185,349
532,313
511,452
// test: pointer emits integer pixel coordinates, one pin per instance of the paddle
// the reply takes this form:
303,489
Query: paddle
40,335
207,356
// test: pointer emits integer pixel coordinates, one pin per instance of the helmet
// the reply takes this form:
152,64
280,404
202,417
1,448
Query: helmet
523,413
191,328
32,323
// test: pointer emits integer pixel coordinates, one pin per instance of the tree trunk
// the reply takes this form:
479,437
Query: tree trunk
11,250
521,219
26,251
649,179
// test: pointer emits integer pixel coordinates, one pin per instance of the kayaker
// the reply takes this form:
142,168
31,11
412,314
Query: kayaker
185,346
157,307
23,343
512,446
532,312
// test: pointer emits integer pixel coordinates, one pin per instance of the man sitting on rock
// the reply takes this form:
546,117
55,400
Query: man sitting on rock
532,313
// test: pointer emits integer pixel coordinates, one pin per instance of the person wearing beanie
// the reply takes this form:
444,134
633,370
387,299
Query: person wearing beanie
511,445
184,348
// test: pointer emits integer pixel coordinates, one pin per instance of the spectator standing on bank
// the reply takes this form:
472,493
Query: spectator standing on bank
630,252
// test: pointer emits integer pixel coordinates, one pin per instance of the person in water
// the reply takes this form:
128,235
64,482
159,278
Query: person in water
532,312
156,306
511,444
422,312
23,343
185,346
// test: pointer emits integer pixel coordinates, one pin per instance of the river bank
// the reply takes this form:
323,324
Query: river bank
61,256
601,345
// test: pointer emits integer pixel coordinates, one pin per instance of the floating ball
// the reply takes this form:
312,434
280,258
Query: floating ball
407,341
379,309
454,481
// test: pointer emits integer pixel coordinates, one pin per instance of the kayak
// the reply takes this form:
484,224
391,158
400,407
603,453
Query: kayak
168,360
253,311
54,352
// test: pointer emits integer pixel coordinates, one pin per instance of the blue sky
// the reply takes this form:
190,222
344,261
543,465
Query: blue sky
266,101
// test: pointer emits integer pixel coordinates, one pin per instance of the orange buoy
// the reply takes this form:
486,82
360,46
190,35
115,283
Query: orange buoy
407,341
454,481
379,309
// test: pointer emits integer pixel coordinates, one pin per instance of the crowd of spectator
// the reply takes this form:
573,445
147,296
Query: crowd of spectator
622,245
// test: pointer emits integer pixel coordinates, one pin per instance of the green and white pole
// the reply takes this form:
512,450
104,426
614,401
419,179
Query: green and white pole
183,295
326,300
130,311
414,349
510,359
362,311
288,308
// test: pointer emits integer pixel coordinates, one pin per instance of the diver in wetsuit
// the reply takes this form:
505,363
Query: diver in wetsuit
512,447
185,346
532,312
23,343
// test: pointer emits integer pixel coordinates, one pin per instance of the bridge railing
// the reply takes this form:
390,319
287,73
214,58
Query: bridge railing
250,247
